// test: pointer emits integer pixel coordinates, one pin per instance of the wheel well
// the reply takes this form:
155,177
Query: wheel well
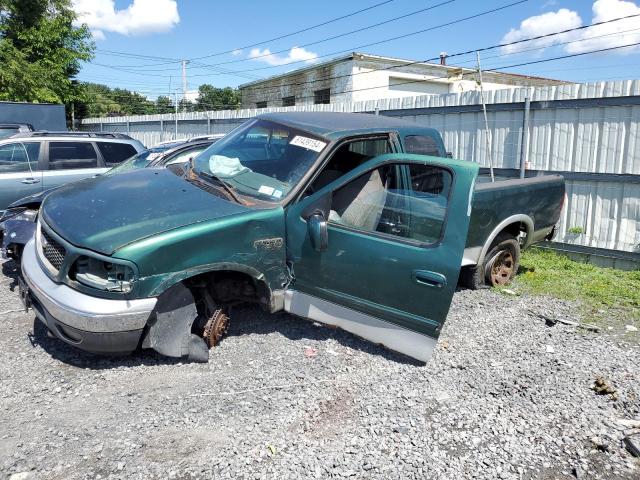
230,287
514,229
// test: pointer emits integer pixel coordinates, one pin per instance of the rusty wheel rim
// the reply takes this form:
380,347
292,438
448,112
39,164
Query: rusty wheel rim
215,328
502,268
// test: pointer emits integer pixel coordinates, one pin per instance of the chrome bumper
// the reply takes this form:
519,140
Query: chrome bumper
78,310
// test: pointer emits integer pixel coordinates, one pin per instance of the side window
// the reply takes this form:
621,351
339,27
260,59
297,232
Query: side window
115,153
70,155
15,157
421,145
348,156
408,201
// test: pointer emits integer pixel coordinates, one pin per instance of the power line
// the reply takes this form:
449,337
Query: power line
280,37
344,34
491,69
492,47
398,37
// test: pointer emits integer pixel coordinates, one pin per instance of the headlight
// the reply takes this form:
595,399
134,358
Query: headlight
103,275
21,213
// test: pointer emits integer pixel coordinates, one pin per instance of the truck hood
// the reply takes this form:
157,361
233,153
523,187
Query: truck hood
105,213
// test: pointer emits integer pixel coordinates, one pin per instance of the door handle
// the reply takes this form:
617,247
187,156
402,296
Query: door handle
30,181
430,279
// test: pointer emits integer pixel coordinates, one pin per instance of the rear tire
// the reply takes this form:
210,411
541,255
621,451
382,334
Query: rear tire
502,261
472,277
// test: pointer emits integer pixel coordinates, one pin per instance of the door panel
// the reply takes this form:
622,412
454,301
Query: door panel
70,161
404,270
19,173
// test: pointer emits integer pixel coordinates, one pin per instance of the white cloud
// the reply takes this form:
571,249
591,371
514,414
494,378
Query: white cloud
604,10
139,18
295,54
582,40
236,52
550,22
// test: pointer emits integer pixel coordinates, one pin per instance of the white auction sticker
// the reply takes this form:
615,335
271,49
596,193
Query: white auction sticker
310,143
277,193
266,189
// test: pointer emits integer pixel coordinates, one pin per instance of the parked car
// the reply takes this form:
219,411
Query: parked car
17,223
9,129
35,161
354,220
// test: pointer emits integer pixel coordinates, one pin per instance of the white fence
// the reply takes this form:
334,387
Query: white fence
589,132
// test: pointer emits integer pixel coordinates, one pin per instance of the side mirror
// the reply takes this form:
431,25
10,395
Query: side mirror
318,233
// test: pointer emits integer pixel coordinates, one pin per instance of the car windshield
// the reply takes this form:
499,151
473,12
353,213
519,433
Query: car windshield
6,132
261,159
139,160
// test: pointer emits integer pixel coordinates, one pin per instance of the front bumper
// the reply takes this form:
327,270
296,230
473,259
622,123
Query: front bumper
93,324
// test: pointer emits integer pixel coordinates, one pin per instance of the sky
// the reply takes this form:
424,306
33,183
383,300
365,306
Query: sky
139,43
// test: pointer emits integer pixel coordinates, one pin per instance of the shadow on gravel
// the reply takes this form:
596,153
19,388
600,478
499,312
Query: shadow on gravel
11,270
251,320
245,321
78,358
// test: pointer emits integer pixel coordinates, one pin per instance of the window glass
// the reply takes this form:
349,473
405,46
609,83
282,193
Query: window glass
347,157
183,157
322,96
289,101
69,155
407,201
263,159
421,145
15,157
115,153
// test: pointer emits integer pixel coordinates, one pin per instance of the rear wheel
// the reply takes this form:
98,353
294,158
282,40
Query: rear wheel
502,261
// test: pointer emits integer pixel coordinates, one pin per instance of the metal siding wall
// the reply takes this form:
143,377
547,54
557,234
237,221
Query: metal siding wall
590,139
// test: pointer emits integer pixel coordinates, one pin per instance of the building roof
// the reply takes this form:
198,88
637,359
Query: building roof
400,61
330,124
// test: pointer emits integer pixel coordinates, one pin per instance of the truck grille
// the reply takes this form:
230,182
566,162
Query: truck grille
52,250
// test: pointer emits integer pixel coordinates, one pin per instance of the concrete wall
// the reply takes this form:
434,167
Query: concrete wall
302,85
590,133
41,116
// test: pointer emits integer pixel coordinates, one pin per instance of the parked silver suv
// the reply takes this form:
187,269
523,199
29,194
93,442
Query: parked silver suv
35,161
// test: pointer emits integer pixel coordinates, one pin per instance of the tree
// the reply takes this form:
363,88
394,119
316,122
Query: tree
41,51
213,98
164,105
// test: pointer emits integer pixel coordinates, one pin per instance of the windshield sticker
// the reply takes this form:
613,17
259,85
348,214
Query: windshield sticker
266,189
309,143
277,193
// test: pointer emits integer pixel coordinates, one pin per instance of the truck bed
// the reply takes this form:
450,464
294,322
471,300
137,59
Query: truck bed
534,202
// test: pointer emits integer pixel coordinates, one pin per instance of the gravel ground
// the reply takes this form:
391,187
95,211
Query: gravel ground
505,396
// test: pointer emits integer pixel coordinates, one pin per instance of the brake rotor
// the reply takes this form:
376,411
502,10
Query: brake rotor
215,328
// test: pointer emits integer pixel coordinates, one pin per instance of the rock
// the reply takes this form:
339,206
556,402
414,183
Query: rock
630,328
632,442
21,476
602,386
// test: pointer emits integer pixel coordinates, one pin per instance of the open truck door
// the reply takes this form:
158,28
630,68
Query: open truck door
377,252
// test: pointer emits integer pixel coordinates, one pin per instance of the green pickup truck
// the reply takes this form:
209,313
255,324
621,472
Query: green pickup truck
354,220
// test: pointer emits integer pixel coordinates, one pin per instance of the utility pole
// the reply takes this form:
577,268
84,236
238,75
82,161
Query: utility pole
175,102
486,121
184,83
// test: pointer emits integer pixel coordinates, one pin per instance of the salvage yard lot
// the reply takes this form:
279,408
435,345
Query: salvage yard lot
506,395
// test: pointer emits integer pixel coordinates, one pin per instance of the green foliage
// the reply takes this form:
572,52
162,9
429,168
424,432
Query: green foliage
577,230
604,292
103,101
41,51
212,98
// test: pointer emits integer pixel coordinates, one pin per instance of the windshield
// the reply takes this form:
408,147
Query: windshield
6,132
139,160
261,159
